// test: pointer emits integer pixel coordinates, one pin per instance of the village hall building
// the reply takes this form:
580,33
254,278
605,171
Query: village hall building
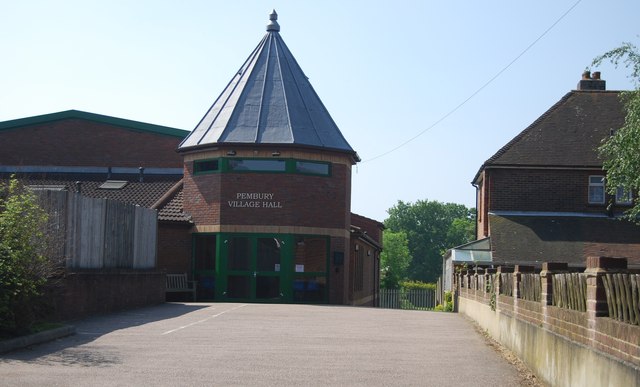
254,203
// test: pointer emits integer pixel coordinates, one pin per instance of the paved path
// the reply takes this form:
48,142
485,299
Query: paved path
263,345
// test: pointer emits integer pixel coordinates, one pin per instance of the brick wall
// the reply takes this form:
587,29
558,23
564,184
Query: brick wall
78,142
541,190
83,294
298,200
174,248
583,346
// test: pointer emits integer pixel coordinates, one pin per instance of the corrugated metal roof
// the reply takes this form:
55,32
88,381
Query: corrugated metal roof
268,101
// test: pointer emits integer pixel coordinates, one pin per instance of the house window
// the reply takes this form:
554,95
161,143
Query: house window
623,196
596,189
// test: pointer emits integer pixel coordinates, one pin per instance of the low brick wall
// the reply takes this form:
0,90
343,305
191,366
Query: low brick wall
564,347
86,293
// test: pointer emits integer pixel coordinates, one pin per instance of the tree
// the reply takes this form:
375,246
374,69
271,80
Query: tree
431,227
621,151
24,266
395,259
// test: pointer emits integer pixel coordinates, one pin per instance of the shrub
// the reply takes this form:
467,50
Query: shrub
23,265
417,285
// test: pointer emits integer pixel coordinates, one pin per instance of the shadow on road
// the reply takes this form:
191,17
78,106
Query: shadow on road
71,350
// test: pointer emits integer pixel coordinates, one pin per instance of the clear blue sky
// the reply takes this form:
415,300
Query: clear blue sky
386,71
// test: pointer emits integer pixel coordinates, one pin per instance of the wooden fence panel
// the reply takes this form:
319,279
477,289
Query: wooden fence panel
506,284
570,291
118,240
91,231
623,296
99,233
530,287
145,238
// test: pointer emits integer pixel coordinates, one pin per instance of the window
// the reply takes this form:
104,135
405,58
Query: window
623,196
205,166
596,189
257,165
312,168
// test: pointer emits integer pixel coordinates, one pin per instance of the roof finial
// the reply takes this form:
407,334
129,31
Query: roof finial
273,24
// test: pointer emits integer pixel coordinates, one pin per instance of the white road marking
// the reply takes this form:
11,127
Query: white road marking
203,320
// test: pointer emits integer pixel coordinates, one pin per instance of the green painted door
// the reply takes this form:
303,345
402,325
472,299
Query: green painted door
251,268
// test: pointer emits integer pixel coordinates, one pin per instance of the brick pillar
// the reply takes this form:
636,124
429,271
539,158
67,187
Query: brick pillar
517,277
546,276
597,267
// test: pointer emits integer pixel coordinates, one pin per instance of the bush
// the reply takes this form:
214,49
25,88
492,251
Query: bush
417,285
23,265
448,303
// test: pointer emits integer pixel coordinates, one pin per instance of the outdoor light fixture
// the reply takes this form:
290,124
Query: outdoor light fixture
231,153
276,153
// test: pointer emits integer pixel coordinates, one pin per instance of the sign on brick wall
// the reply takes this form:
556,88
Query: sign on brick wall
255,200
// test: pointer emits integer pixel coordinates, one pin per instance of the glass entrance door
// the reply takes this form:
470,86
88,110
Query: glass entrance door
253,268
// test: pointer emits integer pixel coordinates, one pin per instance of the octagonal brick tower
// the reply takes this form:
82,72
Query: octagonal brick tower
267,183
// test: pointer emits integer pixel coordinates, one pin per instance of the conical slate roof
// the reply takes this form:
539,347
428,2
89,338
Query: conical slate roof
268,101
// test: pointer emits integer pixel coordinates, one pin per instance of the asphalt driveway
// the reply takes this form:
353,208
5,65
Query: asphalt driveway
263,345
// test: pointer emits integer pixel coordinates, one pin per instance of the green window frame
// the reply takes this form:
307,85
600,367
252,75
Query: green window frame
201,167
265,165
249,165
318,168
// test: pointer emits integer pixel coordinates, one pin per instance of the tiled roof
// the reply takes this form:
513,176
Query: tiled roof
537,239
170,207
567,134
144,193
269,101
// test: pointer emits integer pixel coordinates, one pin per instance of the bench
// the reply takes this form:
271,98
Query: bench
178,283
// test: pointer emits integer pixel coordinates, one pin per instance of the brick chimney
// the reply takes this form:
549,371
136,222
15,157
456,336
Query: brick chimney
592,82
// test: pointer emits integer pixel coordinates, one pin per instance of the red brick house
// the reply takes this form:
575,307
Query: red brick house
541,197
254,203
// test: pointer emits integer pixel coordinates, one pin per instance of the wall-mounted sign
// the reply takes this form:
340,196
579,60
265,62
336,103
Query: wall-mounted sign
254,200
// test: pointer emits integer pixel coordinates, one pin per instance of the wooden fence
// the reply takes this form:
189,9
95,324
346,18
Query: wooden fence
570,291
530,287
101,233
414,299
623,296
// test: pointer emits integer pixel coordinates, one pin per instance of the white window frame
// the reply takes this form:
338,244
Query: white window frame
594,184
624,197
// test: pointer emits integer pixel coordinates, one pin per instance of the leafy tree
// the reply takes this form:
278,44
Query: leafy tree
431,227
395,259
24,268
621,152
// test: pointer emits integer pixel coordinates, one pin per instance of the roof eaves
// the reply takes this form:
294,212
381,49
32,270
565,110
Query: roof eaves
68,114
